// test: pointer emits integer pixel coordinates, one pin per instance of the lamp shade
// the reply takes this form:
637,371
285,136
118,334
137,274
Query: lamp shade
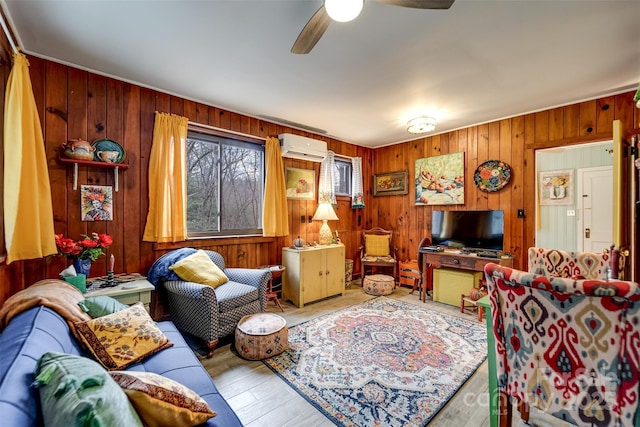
325,212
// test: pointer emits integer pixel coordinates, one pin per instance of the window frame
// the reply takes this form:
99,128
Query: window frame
349,178
223,138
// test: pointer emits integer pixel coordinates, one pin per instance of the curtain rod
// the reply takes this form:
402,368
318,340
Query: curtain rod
261,138
7,33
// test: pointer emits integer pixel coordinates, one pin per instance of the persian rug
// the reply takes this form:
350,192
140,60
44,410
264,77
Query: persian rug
383,362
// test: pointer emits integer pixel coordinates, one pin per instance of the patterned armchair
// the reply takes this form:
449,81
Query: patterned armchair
569,347
553,262
203,311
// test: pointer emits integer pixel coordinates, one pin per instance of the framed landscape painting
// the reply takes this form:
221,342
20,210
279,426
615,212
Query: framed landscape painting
300,183
440,180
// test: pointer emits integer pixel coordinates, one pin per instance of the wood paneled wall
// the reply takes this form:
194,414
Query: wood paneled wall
77,104
73,103
513,141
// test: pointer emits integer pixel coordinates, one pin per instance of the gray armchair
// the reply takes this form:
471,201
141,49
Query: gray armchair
203,311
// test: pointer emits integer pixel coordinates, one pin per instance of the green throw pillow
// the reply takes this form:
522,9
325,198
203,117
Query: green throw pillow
101,306
76,391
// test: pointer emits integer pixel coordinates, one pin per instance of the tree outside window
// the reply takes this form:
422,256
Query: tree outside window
225,185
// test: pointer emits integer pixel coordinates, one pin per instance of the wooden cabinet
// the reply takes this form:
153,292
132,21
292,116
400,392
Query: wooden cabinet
312,274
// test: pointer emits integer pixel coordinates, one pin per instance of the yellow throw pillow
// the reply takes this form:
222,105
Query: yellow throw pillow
199,268
158,399
376,245
122,338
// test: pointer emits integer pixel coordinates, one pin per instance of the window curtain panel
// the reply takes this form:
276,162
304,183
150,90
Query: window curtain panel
275,214
28,211
328,178
167,217
357,189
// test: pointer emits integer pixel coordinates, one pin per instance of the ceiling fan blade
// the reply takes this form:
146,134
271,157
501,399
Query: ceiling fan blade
312,32
421,4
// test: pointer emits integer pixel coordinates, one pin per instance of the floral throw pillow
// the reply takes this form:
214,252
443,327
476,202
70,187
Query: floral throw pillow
122,338
157,399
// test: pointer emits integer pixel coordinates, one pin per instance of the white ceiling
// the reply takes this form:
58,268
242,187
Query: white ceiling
476,62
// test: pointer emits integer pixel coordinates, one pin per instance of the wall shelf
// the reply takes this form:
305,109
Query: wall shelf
93,164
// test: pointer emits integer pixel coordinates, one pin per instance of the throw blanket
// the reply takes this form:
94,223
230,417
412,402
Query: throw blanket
58,295
159,271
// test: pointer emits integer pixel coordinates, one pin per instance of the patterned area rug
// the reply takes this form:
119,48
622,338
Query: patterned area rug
383,362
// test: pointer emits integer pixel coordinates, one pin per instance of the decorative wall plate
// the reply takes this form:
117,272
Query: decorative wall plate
108,151
492,175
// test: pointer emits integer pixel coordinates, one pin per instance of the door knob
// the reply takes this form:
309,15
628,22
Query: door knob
587,233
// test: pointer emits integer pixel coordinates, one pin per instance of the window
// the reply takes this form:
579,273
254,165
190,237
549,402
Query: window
342,184
225,185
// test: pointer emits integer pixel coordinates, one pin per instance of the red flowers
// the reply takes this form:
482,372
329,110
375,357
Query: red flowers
90,247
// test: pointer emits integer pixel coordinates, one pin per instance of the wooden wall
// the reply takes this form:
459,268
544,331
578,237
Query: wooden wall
514,141
77,104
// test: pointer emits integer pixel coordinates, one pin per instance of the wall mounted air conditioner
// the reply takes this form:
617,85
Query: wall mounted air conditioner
301,147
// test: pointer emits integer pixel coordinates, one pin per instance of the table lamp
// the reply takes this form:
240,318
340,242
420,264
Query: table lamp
325,213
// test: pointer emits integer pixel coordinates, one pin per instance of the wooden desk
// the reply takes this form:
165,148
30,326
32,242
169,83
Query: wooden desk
431,260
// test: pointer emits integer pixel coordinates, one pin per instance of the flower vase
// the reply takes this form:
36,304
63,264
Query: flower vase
82,266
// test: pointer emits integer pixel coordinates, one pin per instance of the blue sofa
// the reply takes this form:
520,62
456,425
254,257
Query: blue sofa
38,330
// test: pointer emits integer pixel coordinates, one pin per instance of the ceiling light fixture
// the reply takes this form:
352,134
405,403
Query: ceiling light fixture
343,10
422,124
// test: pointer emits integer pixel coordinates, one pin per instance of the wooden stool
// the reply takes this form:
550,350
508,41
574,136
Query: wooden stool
469,304
261,335
378,284
276,272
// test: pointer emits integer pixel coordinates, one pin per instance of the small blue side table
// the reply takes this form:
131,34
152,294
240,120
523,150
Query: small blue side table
491,355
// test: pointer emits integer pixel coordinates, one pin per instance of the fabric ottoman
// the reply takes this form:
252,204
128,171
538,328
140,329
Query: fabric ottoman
378,284
261,335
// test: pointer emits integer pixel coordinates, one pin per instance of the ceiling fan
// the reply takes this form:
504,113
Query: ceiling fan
347,10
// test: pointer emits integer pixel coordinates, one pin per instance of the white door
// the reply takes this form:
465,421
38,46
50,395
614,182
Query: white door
595,207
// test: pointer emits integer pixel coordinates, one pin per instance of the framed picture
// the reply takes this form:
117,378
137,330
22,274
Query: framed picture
390,183
300,183
96,203
556,187
440,180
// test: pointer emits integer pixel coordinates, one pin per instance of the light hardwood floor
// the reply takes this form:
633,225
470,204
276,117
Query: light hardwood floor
262,399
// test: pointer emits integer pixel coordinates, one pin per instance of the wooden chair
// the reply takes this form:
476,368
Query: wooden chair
425,278
377,251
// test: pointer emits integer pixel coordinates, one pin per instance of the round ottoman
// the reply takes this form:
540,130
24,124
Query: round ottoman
261,335
378,284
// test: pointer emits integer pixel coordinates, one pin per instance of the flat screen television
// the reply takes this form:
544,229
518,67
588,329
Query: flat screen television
473,230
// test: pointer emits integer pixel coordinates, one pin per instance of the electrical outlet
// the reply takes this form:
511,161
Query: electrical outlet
571,212
520,213
302,219
310,219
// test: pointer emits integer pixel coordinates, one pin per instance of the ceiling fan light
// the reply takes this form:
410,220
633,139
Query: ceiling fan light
343,10
422,124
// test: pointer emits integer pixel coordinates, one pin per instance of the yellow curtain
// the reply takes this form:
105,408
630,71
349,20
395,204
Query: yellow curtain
167,217
275,216
28,213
